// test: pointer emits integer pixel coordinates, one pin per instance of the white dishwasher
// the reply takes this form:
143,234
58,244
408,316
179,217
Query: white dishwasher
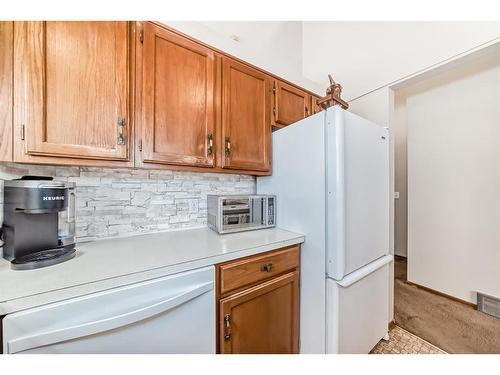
172,314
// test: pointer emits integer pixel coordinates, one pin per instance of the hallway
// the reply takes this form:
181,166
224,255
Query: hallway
450,325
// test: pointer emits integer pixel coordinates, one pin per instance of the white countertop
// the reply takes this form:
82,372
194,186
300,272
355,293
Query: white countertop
110,263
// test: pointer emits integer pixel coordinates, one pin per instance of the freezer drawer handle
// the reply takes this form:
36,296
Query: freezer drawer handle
356,276
113,322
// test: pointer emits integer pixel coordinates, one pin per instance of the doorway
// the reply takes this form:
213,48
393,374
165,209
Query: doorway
446,237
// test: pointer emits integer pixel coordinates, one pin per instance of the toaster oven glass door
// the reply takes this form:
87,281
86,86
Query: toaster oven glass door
243,212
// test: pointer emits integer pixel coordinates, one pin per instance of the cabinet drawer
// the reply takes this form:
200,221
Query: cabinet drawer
247,271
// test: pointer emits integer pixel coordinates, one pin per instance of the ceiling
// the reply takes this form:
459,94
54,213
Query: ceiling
363,56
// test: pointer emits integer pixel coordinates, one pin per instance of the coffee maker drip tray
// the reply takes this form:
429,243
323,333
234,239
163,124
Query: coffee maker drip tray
43,258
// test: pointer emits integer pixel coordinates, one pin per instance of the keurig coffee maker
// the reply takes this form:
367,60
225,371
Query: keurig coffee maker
39,222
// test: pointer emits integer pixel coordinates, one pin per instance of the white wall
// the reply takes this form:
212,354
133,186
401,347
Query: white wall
454,180
275,46
400,176
364,56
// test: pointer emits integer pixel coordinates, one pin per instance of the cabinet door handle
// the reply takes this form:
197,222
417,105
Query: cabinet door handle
210,148
227,327
228,147
268,267
121,125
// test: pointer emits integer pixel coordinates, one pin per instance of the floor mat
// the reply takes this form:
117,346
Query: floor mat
403,342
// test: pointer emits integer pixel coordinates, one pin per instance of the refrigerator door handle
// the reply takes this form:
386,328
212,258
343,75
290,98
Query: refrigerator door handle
106,324
361,273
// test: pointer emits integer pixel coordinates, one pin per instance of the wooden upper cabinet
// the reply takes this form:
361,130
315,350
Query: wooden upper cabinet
6,84
178,99
73,86
262,319
290,104
314,105
85,92
246,124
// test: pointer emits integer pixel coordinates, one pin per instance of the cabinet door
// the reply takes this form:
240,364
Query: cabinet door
6,80
262,319
178,99
246,126
290,104
315,108
74,87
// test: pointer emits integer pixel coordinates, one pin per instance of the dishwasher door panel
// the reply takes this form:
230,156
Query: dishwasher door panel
172,314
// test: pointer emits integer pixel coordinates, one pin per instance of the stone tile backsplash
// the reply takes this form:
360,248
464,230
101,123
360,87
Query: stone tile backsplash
119,201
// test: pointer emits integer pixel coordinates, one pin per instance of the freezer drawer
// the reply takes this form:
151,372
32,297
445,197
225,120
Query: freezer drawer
358,309
173,314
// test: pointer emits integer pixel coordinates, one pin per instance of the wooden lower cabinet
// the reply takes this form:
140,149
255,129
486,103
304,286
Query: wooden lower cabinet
261,317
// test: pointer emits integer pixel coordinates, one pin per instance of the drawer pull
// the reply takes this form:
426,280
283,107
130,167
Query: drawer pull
268,267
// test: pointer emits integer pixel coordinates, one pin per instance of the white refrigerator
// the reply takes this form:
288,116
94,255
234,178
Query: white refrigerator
331,178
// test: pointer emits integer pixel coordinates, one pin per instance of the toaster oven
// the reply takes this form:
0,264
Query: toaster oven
236,213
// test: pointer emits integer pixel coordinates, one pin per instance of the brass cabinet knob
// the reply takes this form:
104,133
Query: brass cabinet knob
268,267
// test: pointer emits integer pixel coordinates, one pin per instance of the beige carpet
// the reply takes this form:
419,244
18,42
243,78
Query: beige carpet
447,324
